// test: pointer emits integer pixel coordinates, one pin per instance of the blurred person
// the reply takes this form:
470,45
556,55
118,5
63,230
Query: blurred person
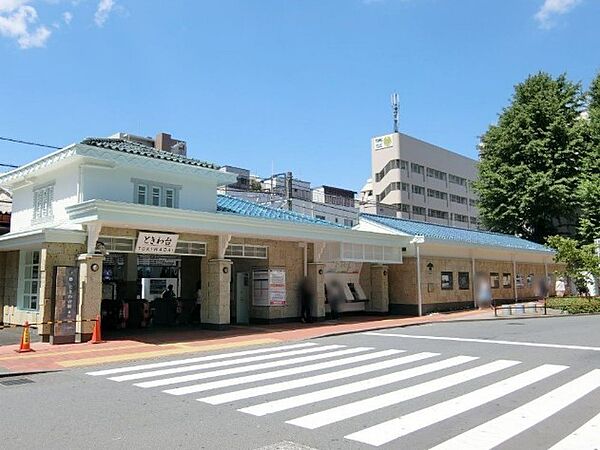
305,301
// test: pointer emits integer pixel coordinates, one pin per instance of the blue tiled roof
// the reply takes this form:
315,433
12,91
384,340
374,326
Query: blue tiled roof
121,145
233,205
454,234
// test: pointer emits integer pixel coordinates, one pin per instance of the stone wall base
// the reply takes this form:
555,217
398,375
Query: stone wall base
403,309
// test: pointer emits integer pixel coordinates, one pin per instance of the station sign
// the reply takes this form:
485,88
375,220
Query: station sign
66,300
156,243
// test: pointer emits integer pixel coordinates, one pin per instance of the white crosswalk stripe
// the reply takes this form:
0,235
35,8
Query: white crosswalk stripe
587,437
250,368
181,362
339,391
272,374
395,428
354,409
310,381
280,373
496,431
230,362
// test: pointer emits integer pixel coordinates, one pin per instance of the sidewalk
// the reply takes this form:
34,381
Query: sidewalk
147,343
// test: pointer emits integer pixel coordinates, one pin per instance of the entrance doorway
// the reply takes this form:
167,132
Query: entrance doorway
242,297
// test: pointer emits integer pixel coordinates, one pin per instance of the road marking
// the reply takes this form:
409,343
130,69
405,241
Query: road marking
310,381
342,412
587,437
196,360
393,429
250,368
338,391
165,352
486,341
228,362
279,373
500,429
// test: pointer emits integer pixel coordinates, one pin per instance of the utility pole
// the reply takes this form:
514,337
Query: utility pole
288,190
395,113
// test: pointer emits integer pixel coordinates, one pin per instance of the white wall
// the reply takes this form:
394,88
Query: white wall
65,181
116,184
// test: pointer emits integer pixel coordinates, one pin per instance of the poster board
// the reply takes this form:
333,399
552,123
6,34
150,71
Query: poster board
66,301
268,287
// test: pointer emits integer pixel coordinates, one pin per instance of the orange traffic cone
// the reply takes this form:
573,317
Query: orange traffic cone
25,340
97,335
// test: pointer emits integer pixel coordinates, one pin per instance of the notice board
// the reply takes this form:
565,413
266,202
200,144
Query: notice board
268,287
66,301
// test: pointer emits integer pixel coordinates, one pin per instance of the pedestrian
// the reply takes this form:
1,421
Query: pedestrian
484,293
336,294
305,301
196,315
560,287
168,294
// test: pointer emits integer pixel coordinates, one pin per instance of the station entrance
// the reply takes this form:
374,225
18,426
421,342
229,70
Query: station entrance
148,290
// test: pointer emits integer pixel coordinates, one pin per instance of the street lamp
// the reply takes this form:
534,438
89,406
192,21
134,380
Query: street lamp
417,241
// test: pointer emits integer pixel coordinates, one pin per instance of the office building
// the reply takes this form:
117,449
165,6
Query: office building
413,179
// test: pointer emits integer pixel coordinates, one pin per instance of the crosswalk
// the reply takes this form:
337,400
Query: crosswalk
315,386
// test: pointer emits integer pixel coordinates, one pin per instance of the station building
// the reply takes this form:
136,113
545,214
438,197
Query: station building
108,222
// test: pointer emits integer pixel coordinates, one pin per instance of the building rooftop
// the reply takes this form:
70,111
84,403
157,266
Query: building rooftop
454,234
135,148
227,204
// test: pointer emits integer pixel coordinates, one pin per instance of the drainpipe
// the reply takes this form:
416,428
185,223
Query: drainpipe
515,279
473,281
417,240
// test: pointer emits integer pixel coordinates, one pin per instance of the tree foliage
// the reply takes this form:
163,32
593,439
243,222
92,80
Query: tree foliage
589,186
531,161
579,260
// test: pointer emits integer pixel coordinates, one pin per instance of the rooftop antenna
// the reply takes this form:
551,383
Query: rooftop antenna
394,99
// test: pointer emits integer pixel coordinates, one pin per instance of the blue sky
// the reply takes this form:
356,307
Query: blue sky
296,85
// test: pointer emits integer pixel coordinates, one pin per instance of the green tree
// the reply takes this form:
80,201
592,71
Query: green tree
579,259
589,186
531,160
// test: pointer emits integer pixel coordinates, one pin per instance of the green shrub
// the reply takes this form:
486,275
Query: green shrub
575,305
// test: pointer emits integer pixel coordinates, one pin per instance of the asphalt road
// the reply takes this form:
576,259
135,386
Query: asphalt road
516,384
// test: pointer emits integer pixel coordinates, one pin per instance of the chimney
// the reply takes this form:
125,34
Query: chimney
165,142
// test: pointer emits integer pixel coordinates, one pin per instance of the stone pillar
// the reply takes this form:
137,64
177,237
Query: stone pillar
90,294
215,306
316,280
380,295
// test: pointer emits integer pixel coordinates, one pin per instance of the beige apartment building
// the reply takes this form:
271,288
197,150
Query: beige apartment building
413,179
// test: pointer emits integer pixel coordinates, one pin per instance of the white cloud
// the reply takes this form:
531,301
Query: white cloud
551,8
17,21
103,10
67,17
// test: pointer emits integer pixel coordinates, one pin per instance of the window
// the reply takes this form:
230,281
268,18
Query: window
463,280
405,208
494,280
31,279
418,189
457,180
417,168
461,218
519,281
169,198
447,282
141,194
155,194
433,173
458,199
472,202
437,214
42,203
246,251
318,216
473,220
437,194
506,280
419,210
348,222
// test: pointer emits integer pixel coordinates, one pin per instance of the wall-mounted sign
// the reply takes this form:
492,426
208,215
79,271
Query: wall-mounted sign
66,284
383,142
156,243
268,287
